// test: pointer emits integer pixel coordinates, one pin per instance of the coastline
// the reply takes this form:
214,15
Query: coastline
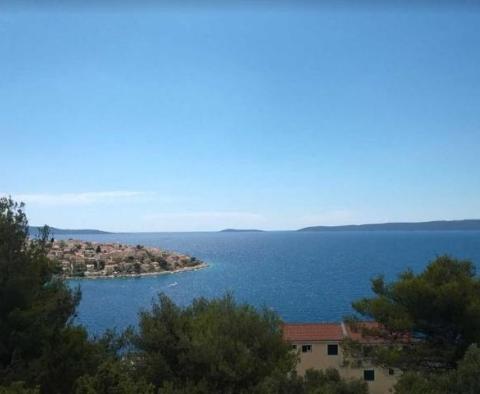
139,275
91,260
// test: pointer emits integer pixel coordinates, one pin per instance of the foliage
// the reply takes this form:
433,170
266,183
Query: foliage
112,377
329,381
38,344
314,382
438,310
464,380
225,347
18,388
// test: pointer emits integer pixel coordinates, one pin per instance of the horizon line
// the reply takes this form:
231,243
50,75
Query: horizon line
232,229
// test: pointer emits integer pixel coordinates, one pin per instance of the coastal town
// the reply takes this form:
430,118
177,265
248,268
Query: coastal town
93,260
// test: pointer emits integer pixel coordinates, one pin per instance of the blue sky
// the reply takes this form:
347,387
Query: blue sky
165,119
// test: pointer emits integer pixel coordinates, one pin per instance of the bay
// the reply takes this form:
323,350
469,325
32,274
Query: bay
303,276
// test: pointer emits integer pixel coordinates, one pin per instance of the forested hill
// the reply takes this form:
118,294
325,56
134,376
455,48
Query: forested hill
437,225
33,230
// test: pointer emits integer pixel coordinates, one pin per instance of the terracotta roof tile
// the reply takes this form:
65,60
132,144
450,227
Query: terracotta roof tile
313,332
357,334
360,333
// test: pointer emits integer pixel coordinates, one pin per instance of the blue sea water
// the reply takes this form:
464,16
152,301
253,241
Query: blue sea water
304,276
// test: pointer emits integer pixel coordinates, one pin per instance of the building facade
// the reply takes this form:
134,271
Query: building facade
319,346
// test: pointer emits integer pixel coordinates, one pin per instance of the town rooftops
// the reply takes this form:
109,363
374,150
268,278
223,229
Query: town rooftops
313,332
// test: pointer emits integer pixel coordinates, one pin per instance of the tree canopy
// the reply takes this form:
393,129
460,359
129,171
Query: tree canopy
438,310
429,325
39,345
465,379
215,344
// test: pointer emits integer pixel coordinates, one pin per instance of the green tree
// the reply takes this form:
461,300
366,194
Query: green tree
437,309
330,382
112,377
220,346
326,381
217,346
464,380
38,343
18,388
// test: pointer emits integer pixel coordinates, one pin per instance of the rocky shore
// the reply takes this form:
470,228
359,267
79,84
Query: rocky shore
82,259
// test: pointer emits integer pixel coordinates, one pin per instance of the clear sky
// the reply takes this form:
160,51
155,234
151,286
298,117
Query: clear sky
273,117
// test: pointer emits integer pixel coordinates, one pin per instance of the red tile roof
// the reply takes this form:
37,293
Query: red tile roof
360,332
357,332
313,332
335,332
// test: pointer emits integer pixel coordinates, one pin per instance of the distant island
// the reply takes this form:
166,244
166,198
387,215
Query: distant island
437,225
81,259
33,230
235,230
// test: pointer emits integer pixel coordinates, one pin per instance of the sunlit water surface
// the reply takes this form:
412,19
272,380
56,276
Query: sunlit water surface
302,276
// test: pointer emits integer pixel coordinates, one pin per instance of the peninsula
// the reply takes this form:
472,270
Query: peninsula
79,259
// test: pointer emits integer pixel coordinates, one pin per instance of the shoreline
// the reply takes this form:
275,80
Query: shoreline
92,260
125,275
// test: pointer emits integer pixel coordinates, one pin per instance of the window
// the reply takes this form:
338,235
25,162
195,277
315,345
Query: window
369,375
306,348
391,371
332,350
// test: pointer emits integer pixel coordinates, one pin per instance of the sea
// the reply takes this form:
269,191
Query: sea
303,276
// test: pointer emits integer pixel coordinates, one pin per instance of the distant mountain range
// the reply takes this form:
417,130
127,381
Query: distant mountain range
33,230
437,225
